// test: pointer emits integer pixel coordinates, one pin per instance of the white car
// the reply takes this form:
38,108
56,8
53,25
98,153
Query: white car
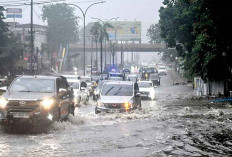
81,93
162,70
147,89
88,80
133,78
71,78
80,90
118,96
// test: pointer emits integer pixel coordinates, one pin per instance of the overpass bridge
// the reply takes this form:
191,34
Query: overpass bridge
125,47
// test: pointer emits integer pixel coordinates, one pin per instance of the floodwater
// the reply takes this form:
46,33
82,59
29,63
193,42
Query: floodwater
175,124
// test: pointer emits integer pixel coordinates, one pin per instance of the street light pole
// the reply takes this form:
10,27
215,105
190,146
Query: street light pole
32,37
84,15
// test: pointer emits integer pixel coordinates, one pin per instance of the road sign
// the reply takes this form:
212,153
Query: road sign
13,13
14,10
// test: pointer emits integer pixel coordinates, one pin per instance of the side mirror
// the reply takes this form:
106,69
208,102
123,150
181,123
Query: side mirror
62,90
137,94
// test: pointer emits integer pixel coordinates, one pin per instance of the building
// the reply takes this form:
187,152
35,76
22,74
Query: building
23,32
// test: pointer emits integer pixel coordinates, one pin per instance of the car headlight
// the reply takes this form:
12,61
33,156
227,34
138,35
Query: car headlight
47,103
128,105
3,102
100,104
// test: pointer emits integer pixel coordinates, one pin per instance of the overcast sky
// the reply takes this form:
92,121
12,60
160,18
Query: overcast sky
145,11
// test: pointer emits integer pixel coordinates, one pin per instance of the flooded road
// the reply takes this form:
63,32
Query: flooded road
175,124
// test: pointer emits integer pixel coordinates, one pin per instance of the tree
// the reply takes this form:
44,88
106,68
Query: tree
154,34
3,29
200,31
99,32
62,25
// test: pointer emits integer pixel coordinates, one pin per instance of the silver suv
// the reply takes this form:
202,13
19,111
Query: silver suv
118,96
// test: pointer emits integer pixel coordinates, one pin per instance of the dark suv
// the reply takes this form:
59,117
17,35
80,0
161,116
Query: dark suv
36,98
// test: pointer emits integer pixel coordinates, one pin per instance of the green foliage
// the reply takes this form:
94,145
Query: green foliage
200,30
99,31
154,34
3,29
62,25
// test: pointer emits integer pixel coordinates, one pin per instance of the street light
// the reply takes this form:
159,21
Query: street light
84,15
103,22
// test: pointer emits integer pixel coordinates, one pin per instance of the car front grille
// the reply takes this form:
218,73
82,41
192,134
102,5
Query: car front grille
114,106
22,106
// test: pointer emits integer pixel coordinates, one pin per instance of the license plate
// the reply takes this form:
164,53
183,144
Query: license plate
114,110
21,115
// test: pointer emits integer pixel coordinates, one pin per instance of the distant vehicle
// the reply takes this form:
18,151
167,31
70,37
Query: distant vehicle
126,70
146,89
146,71
96,77
2,90
71,78
81,93
162,70
115,76
118,96
36,99
87,79
95,71
133,78
155,78
96,93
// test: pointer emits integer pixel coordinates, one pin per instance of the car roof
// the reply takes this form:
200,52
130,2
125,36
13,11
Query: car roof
39,76
70,75
85,76
132,76
120,82
145,81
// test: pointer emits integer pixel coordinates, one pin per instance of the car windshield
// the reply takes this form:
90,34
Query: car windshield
154,76
144,84
71,77
117,90
75,85
33,85
86,79
132,78
95,78
162,67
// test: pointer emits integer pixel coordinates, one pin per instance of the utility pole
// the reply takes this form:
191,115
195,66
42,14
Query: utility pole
121,55
32,36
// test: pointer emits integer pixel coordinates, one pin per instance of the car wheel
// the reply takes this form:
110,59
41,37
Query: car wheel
96,111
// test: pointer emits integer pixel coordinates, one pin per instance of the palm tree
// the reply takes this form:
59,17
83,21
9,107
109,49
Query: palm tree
99,31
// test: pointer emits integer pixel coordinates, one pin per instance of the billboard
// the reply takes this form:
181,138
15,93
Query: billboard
125,31
13,13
